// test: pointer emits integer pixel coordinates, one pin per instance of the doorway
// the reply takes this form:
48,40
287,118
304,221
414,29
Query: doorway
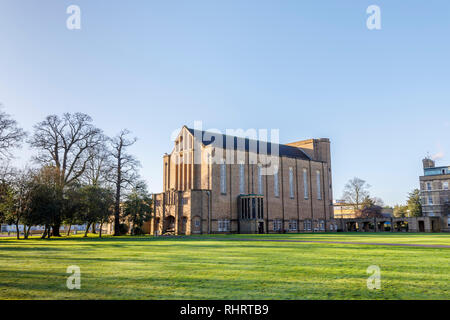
421,226
260,227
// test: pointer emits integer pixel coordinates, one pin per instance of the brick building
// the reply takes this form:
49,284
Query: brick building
216,183
435,193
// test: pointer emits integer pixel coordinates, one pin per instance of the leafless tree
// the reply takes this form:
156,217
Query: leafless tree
11,136
67,143
124,171
99,167
355,191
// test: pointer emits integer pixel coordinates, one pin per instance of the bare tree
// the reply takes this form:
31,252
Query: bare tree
355,191
99,166
124,171
11,136
67,143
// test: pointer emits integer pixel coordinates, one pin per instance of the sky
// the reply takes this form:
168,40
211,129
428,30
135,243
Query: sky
311,69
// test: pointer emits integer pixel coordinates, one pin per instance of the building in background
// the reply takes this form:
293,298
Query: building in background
343,210
435,193
202,196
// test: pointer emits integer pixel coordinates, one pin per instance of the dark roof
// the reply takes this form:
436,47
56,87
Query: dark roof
284,150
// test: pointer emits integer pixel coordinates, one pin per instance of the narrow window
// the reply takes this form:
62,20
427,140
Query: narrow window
322,225
260,186
445,185
293,226
277,225
275,183
429,186
305,183
223,178
224,225
291,183
430,200
307,225
241,178
319,192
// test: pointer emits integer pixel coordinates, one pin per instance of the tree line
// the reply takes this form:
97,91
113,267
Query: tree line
356,194
77,176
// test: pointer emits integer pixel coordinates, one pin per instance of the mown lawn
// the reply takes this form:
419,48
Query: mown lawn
218,267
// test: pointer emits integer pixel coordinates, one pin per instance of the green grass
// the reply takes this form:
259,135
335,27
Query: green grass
204,267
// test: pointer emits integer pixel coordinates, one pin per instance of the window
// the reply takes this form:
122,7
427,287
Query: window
331,227
223,178
241,178
321,225
260,186
431,214
157,203
307,225
277,225
276,190
429,186
445,185
291,183
305,183
319,192
224,225
184,201
430,200
197,223
293,225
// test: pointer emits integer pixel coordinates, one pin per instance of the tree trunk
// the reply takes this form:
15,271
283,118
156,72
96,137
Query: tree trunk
93,228
17,230
117,213
68,231
26,231
87,230
118,190
100,231
49,232
55,229
44,234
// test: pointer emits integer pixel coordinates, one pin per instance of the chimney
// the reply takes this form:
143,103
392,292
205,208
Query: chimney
428,163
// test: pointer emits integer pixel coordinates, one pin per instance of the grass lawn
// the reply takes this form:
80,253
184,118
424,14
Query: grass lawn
218,267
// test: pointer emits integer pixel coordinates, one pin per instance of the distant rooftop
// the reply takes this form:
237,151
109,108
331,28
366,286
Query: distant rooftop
435,171
430,169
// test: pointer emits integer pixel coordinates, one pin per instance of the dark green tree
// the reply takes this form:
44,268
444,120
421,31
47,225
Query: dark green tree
138,207
414,205
97,203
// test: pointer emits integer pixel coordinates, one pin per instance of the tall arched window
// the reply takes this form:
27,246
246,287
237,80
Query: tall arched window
276,189
223,177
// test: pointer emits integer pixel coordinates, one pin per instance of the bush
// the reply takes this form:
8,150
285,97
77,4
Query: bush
138,231
123,229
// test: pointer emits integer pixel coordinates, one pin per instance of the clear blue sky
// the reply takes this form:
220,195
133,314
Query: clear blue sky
308,68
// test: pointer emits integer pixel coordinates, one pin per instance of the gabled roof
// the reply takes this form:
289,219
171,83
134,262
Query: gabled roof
284,150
